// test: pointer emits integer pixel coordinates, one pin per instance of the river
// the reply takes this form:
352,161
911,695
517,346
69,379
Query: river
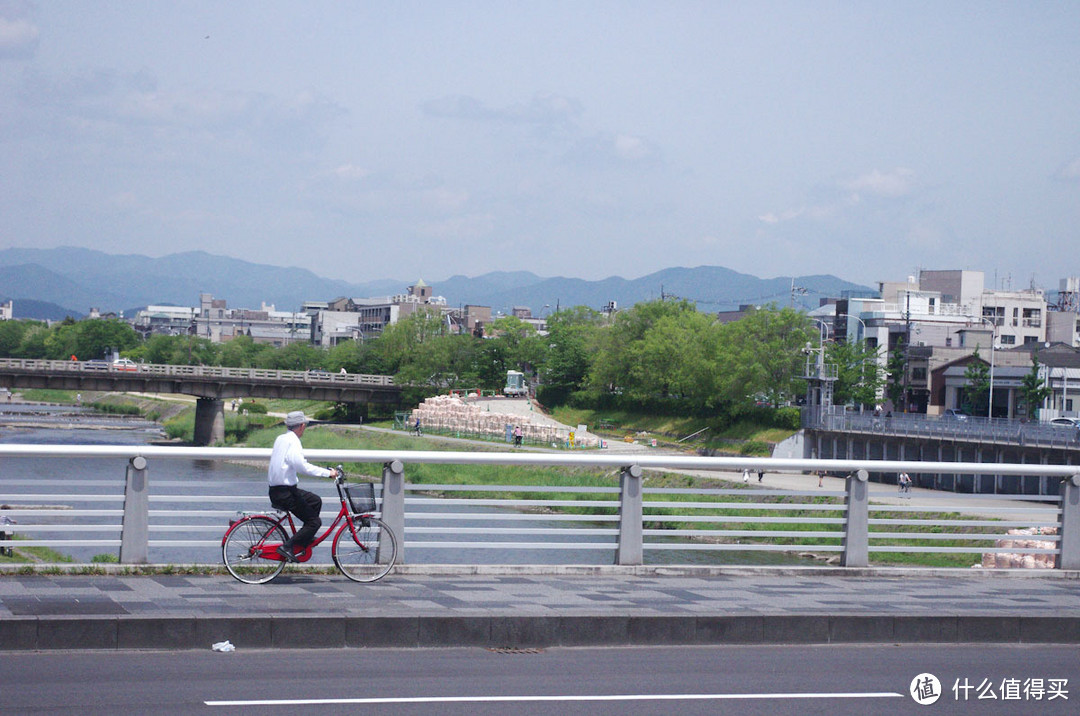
244,485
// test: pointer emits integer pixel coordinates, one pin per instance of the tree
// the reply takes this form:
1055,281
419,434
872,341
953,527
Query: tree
895,370
977,389
615,367
761,354
859,377
89,339
1033,390
516,344
12,334
242,352
294,356
676,360
572,333
398,342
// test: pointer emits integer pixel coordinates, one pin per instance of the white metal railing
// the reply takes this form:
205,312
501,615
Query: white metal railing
622,518
192,371
917,425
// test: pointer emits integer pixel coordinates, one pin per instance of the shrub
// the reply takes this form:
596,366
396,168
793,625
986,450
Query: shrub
789,418
755,448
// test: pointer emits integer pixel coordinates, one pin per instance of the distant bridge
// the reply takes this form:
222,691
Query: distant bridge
212,385
907,436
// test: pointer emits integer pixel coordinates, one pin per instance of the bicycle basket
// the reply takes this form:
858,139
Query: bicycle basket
361,497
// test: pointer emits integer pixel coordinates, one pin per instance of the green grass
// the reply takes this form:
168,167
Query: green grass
43,395
30,555
668,430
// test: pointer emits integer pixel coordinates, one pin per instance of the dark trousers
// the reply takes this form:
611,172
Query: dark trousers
305,505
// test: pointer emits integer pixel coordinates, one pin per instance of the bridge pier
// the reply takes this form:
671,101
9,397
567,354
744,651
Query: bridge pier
209,421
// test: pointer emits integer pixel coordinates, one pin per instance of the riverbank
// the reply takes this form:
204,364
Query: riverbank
338,436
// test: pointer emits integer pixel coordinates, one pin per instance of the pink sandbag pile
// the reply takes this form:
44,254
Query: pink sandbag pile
1013,560
448,412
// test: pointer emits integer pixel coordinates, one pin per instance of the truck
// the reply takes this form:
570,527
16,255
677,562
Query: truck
516,387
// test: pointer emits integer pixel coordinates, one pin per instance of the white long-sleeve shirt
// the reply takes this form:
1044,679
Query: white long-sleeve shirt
287,460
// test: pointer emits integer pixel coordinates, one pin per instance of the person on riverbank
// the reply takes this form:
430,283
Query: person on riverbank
904,482
286,463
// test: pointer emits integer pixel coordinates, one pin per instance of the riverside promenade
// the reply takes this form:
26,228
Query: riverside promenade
525,608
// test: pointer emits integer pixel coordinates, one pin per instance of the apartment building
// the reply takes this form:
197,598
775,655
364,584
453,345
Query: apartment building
346,318
941,316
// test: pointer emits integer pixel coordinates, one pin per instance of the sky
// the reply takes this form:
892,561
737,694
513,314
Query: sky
587,139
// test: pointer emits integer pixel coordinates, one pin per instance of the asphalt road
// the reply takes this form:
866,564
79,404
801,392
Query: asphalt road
778,681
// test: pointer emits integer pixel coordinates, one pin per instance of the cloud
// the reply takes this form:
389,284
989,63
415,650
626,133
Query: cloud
605,151
891,185
784,216
18,35
844,197
107,105
351,172
1069,172
542,110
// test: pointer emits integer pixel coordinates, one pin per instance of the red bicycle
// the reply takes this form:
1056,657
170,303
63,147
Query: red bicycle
364,547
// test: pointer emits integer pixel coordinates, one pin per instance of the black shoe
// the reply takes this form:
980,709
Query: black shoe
286,553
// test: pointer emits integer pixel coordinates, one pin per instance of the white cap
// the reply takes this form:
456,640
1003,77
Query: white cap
295,418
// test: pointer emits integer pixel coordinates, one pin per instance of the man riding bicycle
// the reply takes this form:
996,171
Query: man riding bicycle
286,463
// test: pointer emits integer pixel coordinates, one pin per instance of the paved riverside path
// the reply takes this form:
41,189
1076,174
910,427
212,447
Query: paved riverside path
419,606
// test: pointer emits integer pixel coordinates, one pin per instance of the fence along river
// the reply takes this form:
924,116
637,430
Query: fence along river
224,487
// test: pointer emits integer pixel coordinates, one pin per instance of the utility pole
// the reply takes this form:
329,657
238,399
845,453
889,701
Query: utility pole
907,345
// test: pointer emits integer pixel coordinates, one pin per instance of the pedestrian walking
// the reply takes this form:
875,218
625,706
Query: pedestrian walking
746,474
760,474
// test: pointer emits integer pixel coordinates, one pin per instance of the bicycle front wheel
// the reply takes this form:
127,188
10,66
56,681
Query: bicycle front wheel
366,551
241,550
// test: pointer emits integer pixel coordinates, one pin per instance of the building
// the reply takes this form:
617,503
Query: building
219,323
216,322
165,320
347,318
938,317
7,311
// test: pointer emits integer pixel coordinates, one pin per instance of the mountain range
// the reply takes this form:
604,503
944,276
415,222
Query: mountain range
54,283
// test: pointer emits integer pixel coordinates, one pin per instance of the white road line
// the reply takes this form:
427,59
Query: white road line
585,697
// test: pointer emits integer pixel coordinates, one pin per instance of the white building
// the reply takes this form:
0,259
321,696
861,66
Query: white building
941,314
215,321
165,320
347,318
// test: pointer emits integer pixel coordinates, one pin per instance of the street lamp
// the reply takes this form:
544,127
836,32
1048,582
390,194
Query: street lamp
861,323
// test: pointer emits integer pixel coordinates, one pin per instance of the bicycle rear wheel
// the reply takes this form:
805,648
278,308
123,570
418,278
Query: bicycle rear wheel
241,553
366,553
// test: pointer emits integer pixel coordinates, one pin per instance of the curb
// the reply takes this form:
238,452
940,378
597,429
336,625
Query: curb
185,632
569,570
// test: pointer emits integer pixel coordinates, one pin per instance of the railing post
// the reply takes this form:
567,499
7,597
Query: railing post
630,550
857,526
393,502
135,532
1069,529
